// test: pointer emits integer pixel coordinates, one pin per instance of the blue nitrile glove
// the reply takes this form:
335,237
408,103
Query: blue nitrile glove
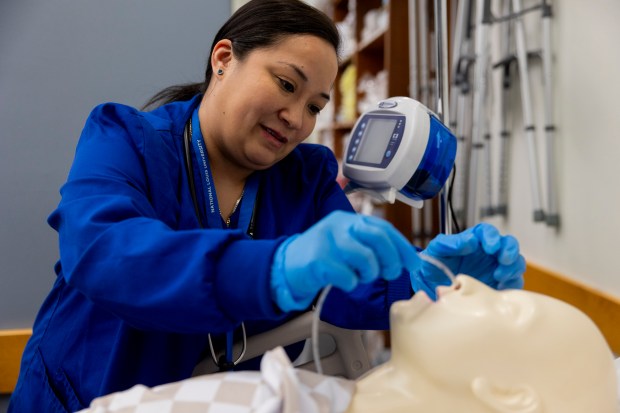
343,249
480,252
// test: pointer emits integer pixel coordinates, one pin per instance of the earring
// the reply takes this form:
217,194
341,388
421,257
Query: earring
220,72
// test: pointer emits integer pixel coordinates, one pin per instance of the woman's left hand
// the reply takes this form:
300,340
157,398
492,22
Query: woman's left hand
480,252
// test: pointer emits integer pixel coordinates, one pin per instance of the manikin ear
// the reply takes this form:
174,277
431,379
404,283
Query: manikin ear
517,398
222,55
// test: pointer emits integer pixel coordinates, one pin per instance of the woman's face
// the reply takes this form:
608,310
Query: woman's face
262,107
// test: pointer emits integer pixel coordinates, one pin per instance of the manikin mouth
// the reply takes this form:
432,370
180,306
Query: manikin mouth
276,135
407,310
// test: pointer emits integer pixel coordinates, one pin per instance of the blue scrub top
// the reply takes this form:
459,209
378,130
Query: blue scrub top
140,285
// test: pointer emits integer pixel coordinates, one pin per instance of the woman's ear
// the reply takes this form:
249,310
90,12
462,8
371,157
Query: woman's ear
222,55
512,398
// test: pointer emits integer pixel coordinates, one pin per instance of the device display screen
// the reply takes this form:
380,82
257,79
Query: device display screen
375,140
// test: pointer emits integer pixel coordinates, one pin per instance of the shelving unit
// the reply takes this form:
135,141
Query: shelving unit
389,51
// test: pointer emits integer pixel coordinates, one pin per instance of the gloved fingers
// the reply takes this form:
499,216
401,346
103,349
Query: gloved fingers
461,244
339,275
376,238
353,254
514,283
394,250
485,277
510,274
420,283
435,276
509,250
488,237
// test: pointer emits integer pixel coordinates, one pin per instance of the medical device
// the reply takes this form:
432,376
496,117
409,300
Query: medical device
399,150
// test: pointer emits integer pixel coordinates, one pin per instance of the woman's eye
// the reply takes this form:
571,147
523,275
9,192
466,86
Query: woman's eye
315,110
288,86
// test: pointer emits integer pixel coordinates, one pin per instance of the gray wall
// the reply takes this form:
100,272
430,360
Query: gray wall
58,59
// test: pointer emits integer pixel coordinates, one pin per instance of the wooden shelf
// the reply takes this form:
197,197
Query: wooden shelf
343,125
389,51
375,43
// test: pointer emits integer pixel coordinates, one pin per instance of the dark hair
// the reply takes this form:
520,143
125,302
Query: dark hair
257,24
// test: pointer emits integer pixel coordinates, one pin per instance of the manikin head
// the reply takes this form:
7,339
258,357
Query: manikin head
508,351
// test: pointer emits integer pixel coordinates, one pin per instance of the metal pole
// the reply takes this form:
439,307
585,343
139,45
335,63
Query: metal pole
442,87
427,212
424,70
414,91
442,77
528,118
413,50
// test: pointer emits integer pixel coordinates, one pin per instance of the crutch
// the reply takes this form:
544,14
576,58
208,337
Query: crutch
456,44
507,59
552,216
486,207
425,86
463,133
526,100
483,24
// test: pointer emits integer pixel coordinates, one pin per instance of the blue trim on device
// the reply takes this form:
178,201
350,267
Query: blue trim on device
436,163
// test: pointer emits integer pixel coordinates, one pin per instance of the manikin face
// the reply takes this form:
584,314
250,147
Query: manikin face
261,108
472,320
508,349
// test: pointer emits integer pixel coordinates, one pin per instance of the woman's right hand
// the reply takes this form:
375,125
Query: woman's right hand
343,249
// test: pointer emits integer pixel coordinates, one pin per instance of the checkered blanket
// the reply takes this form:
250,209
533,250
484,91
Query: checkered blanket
278,387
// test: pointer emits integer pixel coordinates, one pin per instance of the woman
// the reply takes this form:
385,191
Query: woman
183,228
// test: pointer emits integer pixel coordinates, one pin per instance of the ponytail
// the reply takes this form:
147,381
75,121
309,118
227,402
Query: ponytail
175,93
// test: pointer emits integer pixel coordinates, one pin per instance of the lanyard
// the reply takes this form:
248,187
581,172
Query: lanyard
246,207
214,219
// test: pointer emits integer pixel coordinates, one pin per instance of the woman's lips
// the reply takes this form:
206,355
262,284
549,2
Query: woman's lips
276,135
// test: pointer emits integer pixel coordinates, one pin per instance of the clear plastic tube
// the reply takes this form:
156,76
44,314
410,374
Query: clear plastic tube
443,267
316,318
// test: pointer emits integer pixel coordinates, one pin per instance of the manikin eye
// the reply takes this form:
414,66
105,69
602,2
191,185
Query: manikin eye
516,307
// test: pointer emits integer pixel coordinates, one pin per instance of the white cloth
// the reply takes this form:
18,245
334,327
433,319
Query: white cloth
277,388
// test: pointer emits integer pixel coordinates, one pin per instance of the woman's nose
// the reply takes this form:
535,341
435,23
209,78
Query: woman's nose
292,115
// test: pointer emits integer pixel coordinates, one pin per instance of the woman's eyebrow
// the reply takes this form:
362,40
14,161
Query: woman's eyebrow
303,76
